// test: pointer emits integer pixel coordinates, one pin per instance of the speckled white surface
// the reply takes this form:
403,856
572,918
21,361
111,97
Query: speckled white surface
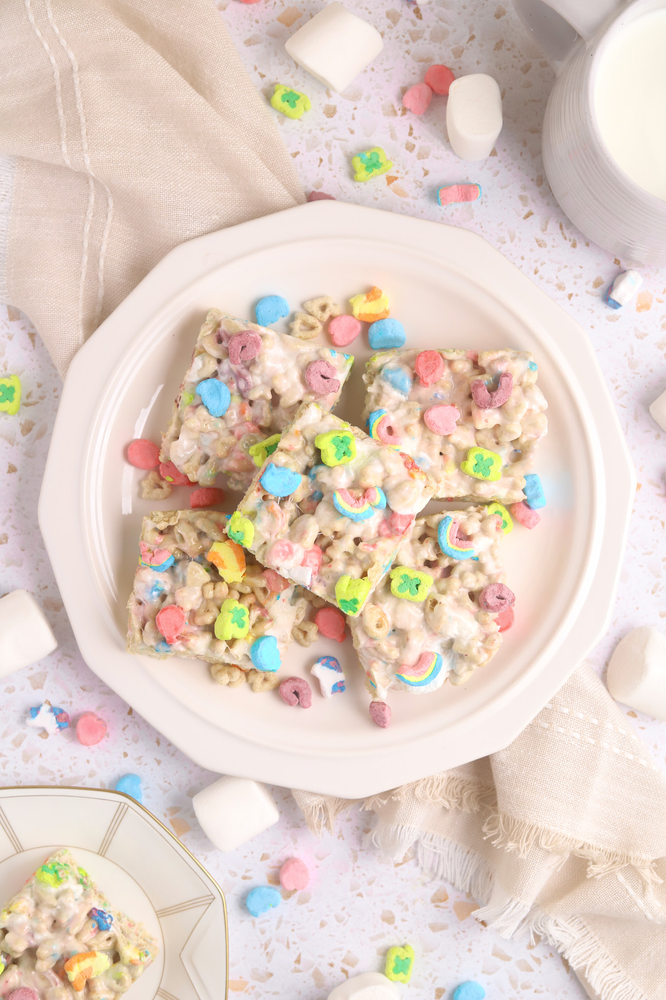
358,904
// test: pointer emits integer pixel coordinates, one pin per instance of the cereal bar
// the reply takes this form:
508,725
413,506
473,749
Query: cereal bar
471,419
61,938
329,508
242,388
198,594
434,616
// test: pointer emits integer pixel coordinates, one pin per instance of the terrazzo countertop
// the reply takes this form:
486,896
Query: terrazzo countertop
358,904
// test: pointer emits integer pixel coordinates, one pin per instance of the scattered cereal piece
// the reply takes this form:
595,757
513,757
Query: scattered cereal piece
49,718
296,691
380,713
474,116
331,623
482,464
320,377
371,306
385,333
153,487
343,330
504,620
265,654
229,560
130,784
527,517
270,309
86,965
417,98
469,991
170,474
373,163
487,400
451,194
507,523
424,674
351,593
336,447
496,597
240,529
658,410
305,327
623,289
10,394
368,986
232,810
261,899
410,584
329,673
90,729
280,481
442,419
429,367
290,102
170,621
143,454
294,875
439,78
535,498
206,496
233,621
215,396
399,964
320,196
323,308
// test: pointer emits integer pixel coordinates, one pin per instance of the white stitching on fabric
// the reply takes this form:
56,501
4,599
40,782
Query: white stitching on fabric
640,903
56,78
585,717
596,743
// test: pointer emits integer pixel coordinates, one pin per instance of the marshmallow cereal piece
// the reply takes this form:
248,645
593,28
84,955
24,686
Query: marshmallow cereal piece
229,559
351,593
233,621
331,623
368,986
294,875
486,399
439,78
380,713
10,394
170,474
527,517
410,584
424,675
280,481
399,964
474,116
245,346
320,377
304,326
90,729
637,671
371,306
502,512
335,46
240,529
86,965
399,379
658,410
290,102
261,899
336,447
451,194
343,330
143,454
417,98
296,691
533,490
215,396
323,308
450,543
496,597
23,992
372,163
386,333
442,419
270,309
170,621
623,289
429,367
260,451
233,810
504,620
329,673
205,496
469,991
49,718
265,654
483,464
130,784
320,196
25,634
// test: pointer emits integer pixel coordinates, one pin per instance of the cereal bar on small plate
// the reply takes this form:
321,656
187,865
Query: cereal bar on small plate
242,388
472,420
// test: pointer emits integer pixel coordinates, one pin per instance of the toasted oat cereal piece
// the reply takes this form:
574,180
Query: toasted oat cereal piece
472,421
323,308
335,528
244,384
62,938
153,487
305,327
435,616
181,600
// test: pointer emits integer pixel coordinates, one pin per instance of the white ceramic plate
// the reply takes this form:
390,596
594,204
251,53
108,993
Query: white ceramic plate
142,869
450,288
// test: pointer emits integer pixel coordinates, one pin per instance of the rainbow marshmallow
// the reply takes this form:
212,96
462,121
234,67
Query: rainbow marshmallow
380,427
425,674
158,560
449,543
359,508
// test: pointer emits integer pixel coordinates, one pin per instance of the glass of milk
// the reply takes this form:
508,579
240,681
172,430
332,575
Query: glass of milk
604,134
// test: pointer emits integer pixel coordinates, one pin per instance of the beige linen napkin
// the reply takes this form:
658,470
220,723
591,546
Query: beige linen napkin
127,127
562,834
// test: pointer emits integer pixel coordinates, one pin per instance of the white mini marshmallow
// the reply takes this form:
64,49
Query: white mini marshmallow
369,986
25,634
637,671
232,810
623,289
658,410
334,46
474,116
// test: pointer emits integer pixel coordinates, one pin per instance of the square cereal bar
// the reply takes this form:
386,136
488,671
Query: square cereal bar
254,380
60,937
435,616
334,529
471,420
198,594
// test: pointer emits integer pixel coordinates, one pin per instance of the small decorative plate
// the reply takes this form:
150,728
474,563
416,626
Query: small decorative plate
142,868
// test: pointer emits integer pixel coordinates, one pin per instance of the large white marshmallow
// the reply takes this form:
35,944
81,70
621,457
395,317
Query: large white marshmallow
334,46
232,810
658,410
368,986
474,116
25,634
637,671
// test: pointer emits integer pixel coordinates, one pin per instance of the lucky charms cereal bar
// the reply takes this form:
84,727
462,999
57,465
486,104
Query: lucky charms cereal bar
437,614
242,388
197,593
329,508
472,420
60,938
